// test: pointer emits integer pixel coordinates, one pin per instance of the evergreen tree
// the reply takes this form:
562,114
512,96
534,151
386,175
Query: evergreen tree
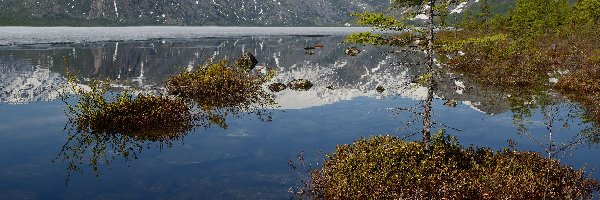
587,14
485,10
532,18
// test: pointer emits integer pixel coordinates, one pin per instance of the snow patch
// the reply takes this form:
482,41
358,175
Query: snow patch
459,8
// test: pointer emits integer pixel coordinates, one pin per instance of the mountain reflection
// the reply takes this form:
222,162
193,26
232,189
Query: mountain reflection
32,73
145,66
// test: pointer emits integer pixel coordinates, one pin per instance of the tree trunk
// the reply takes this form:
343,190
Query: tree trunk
430,82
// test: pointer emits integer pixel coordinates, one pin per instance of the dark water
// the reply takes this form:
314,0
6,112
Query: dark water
249,160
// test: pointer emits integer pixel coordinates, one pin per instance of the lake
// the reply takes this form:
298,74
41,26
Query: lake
249,159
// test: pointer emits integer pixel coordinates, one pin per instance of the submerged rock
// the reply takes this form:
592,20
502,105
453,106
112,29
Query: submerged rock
380,89
247,61
352,51
277,87
300,84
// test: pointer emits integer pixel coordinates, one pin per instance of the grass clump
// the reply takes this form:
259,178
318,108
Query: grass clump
103,125
142,117
149,118
219,90
386,167
219,85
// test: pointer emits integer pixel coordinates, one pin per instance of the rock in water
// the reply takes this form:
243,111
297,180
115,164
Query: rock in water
352,51
247,61
276,87
451,103
380,89
300,84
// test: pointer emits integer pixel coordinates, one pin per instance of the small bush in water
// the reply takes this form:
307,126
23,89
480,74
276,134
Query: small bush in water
143,117
220,90
386,167
219,85
149,118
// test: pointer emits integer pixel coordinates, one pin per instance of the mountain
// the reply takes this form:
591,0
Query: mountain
197,12
184,12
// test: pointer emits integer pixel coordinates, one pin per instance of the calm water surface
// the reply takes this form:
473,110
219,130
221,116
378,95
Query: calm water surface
249,159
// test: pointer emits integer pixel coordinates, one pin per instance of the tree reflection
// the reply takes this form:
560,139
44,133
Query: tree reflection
556,117
531,96
582,86
104,126
532,99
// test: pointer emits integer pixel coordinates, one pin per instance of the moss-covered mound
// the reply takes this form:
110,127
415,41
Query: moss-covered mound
219,85
387,167
146,118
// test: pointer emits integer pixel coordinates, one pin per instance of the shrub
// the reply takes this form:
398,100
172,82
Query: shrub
142,117
103,125
147,118
219,85
386,167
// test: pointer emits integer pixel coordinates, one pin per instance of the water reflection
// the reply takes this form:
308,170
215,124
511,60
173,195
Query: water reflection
541,113
144,66
249,157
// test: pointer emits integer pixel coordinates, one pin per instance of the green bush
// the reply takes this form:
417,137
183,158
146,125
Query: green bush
220,90
219,85
142,117
386,167
145,118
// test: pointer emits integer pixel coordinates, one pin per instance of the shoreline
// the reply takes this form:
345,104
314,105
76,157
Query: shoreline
26,35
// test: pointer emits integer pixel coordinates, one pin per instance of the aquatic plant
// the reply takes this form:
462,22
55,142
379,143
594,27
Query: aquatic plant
386,167
145,117
220,90
150,118
103,125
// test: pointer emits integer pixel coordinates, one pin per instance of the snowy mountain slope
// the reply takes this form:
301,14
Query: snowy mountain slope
195,12
187,12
